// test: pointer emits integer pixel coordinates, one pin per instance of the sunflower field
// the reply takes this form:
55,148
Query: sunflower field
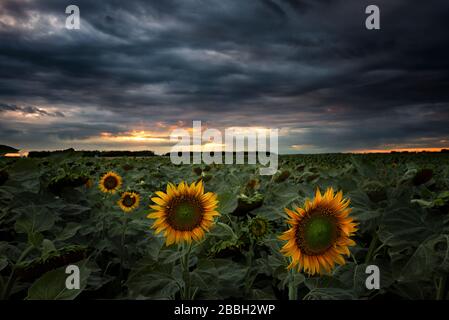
144,228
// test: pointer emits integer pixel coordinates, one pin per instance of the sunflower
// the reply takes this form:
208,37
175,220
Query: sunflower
110,182
184,212
88,183
320,233
129,201
259,227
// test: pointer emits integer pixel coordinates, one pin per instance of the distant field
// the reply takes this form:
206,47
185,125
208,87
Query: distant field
52,214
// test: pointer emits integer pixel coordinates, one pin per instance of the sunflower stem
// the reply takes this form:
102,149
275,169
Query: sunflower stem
292,287
122,245
185,262
12,277
249,263
372,248
103,217
441,292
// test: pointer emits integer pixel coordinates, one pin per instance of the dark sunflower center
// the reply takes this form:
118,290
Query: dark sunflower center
258,228
185,214
110,182
317,233
129,201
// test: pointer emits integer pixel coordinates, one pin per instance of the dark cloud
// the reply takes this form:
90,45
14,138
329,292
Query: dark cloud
309,66
29,110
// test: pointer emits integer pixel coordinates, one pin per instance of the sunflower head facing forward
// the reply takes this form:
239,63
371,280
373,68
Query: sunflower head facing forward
129,201
110,182
319,233
184,212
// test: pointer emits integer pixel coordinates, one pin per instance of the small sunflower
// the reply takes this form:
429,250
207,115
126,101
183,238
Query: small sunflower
110,182
184,212
129,201
320,233
259,227
88,183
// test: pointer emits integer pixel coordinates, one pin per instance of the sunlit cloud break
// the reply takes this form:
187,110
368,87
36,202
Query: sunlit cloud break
261,144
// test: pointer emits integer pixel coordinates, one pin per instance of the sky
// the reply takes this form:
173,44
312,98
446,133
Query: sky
136,70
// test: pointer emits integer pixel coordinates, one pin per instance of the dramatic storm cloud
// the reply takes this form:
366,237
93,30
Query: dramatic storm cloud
138,69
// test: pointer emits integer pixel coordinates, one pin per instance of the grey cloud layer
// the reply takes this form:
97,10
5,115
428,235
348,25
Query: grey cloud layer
283,63
29,110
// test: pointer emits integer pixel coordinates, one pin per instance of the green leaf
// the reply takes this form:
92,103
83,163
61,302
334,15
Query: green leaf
227,202
430,257
169,255
3,263
69,231
47,248
35,238
224,277
36,219
329,294
404,227
52,285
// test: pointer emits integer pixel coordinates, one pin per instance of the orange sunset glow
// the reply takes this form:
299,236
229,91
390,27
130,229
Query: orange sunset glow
135,136
399,150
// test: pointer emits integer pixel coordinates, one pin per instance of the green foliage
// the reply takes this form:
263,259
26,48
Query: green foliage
50,218
52,285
